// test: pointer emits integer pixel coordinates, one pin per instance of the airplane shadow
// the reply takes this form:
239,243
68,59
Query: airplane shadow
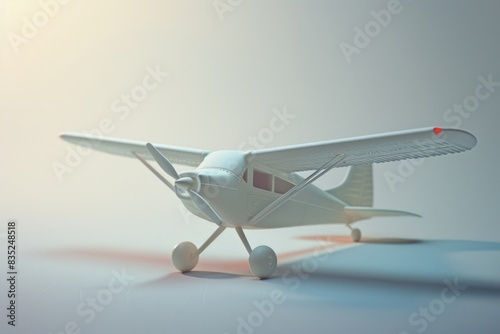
181,277
212,275
380,267
385,266
347,240
389,264
398,241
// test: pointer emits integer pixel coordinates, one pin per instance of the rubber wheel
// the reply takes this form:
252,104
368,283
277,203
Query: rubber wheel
263,261
183,256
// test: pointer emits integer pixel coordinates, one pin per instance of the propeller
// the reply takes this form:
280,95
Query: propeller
162,161
203,205
184,183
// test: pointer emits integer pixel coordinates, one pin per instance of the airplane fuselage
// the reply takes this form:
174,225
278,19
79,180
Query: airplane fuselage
239,190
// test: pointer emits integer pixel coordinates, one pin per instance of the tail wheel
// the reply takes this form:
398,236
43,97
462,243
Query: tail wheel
356,235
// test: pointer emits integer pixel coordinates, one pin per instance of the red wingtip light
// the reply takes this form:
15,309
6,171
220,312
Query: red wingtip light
438,130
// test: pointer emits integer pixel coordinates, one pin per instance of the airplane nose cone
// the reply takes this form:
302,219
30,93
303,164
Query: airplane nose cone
184,183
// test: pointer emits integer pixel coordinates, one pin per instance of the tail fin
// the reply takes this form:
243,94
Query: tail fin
357,192
357,188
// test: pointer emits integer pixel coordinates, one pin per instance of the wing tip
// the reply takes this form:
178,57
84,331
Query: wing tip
437,130
63,135
66,135
461,138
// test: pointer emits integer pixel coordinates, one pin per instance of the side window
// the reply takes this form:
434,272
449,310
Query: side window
262,180
245,176
281,186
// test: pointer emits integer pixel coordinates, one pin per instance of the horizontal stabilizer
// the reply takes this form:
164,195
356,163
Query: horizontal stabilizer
359,213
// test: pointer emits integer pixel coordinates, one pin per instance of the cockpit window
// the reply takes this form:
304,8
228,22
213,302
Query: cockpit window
245,176
262,180
281,186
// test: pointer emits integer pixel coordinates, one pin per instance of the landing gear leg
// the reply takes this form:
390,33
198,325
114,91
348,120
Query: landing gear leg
262,260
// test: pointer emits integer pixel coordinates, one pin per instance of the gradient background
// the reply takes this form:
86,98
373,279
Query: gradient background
225,79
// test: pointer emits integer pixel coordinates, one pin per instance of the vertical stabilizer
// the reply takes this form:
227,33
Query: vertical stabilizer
357,188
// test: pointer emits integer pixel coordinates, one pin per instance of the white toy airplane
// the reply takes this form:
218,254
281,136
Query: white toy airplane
260,189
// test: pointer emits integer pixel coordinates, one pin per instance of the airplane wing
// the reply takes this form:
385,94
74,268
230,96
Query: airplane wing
177,155
411,144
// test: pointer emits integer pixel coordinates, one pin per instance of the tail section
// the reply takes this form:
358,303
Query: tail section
357,188
357,193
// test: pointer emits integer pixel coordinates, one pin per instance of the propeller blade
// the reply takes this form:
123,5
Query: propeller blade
203,205
162,161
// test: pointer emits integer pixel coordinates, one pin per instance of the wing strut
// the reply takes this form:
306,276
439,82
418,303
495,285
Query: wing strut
155,172
295,190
